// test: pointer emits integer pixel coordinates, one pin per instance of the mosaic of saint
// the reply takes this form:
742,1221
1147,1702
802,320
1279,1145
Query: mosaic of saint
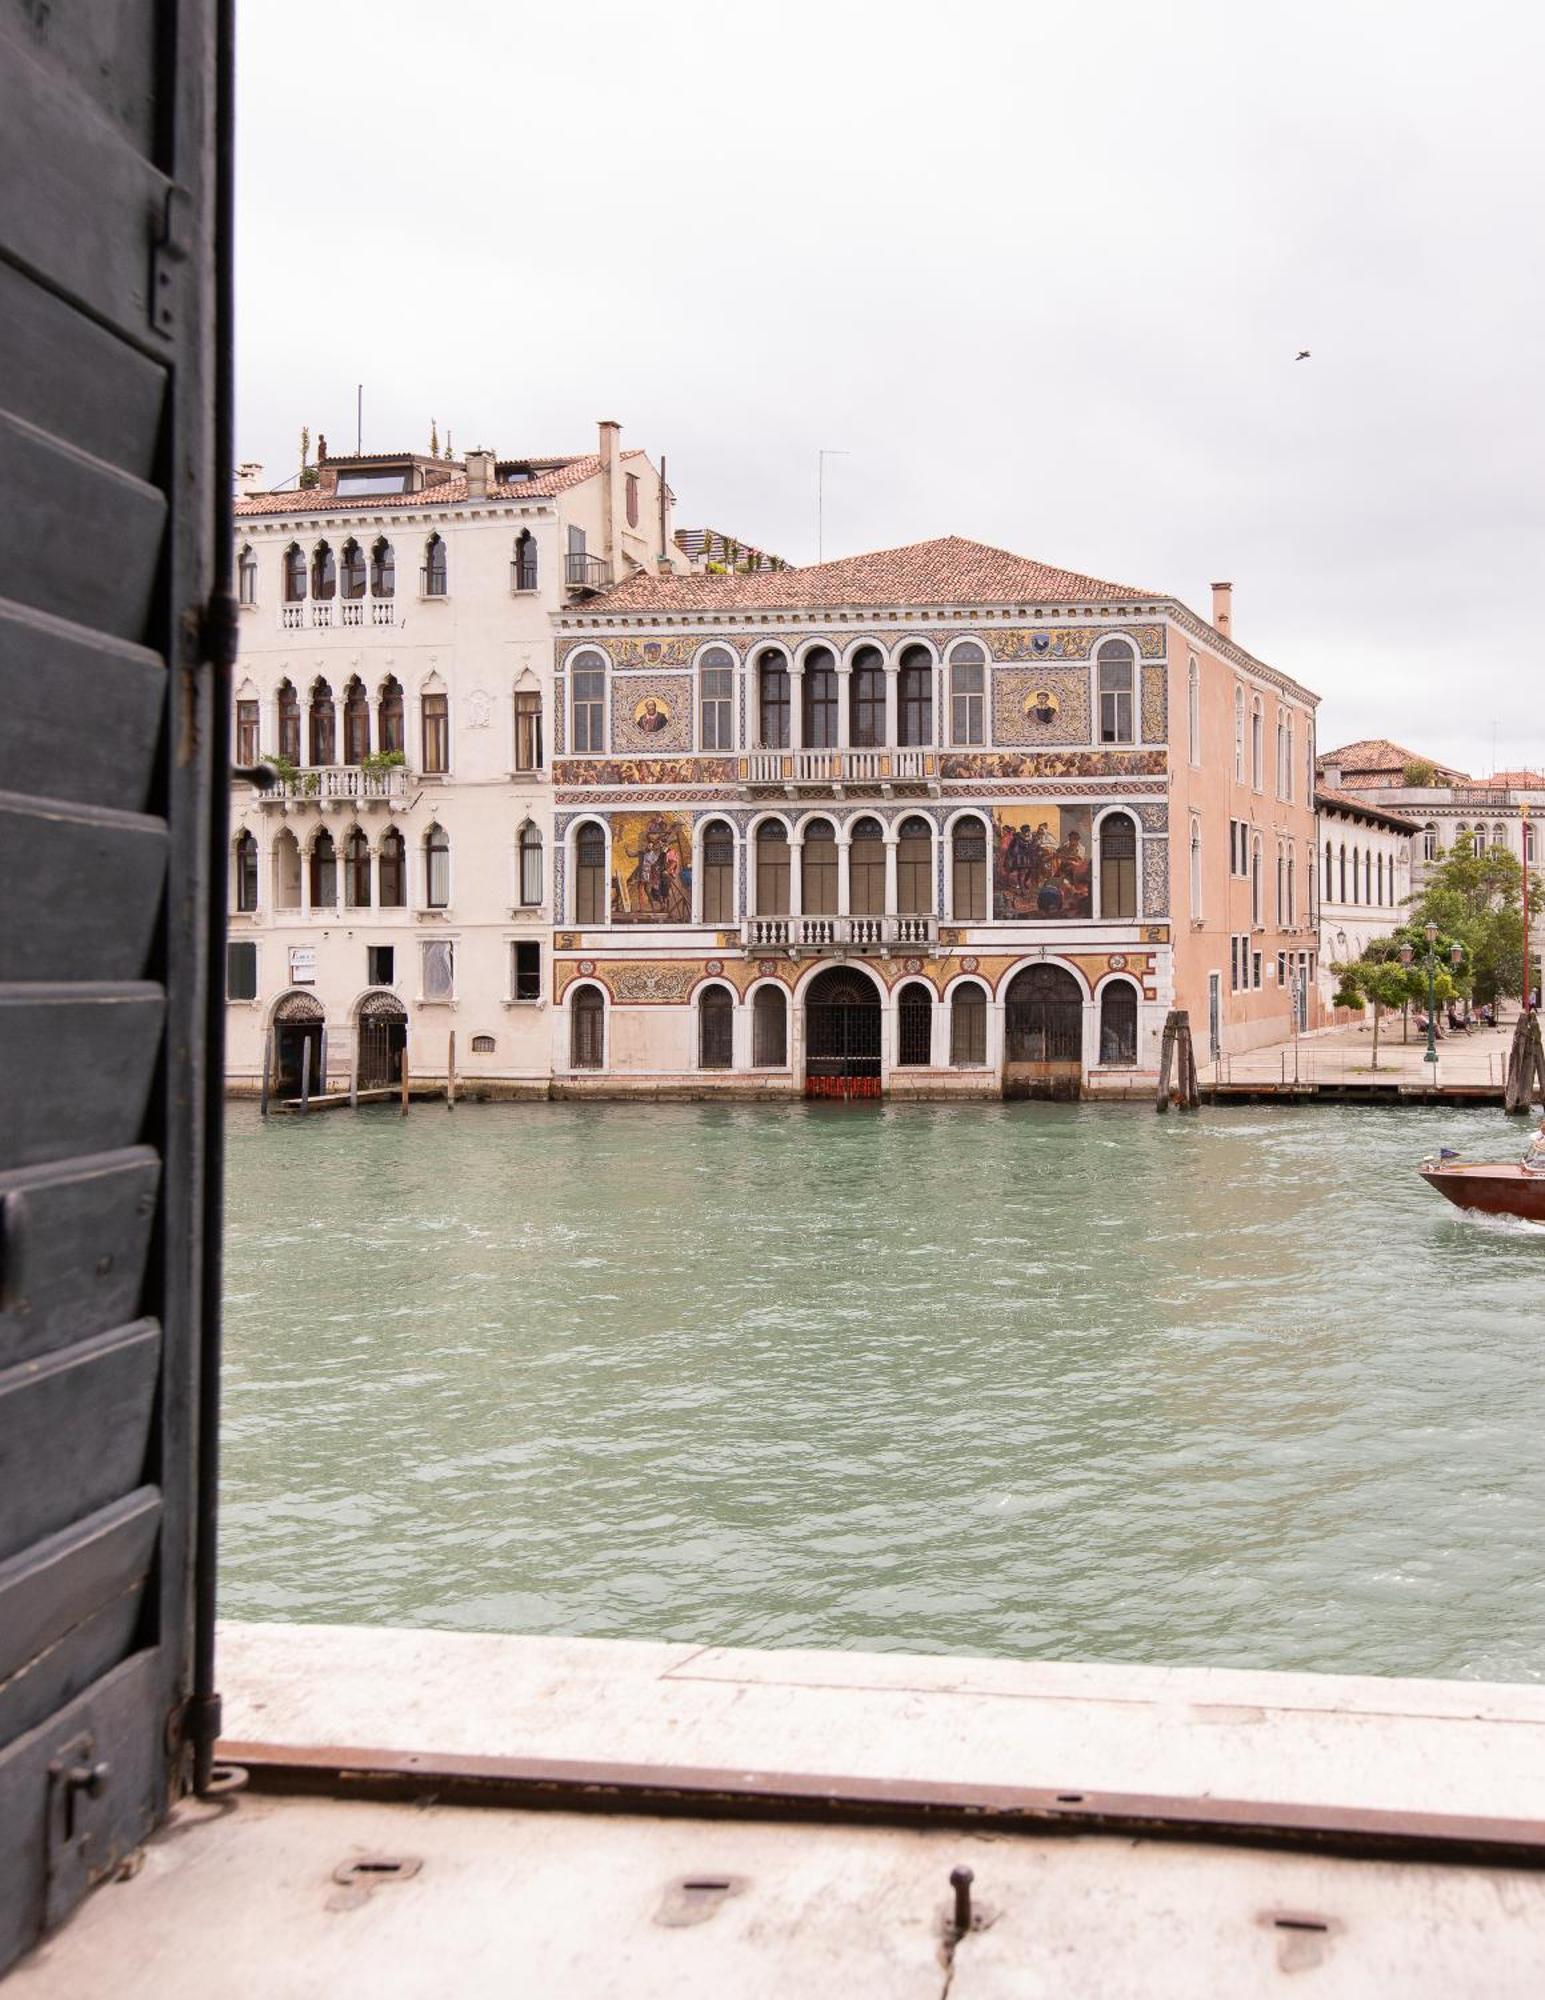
652,715
1041,870
651,868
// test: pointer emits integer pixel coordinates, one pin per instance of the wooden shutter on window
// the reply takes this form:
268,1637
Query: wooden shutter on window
110,192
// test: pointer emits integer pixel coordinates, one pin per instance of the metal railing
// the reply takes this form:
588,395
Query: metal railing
522,577
837,933
582,572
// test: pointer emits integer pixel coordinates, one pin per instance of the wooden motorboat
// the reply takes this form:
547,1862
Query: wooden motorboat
1495,1187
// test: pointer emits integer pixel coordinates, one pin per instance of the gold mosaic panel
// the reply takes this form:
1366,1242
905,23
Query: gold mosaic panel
652,713
1073,642
1012,691
1155,705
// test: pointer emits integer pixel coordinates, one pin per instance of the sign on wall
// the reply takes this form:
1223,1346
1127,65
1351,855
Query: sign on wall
303,965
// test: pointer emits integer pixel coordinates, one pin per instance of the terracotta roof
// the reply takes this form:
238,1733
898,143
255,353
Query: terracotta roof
948,571
1328,801
1376,754
556,477
1511,781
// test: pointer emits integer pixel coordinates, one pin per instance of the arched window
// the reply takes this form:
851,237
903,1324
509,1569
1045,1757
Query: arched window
772,869
437,869
1239,736
393,870
914,699
436,577
1378,877
772,696
1281,886
352,569
717,699
435,716
1043,1016
1118,867
389,716
246,871
1281,754
523,569
1330,874
968,1027
1287,768
1118,1024
356,871
286,866
294,574
820,699
866,699
324,872
324,723
1343,896
1196,868
1194,710
587,1028
914,868
968,693
1528,842
1257,745
383,569
587,694
1257,908
356,722
715,1028
590,874
718,873
769,1028
968,872
289,723
246,576
914,1025
1113,662
818,869
1292,891
1357,885
528,730
866,869
324,572
528,847
1499,835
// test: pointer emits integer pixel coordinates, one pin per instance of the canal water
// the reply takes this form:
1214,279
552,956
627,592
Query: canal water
1049,1381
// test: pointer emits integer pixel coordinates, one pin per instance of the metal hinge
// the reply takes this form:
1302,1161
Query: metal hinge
172,245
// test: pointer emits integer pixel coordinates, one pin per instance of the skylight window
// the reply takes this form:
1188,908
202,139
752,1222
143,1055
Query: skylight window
373,482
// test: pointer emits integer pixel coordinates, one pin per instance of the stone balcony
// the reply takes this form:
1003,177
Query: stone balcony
839,934
337,785
790,771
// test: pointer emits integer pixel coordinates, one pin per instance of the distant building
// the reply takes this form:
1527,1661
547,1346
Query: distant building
1366,861
1489,810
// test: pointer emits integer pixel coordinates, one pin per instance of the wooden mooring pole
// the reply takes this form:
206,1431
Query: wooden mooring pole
1525,1065
1177,1059
404,1075
305,1074
268,1060
450,1073
354,1074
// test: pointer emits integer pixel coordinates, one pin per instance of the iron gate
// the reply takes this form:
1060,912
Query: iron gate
1043,1017
842,1038
383,1036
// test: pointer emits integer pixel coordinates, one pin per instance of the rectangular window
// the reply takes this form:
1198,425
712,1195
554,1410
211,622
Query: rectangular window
246,732
241,970
718,697
380,964
528,732
967,687
1255,978
589,693
526,955
437,735
439,969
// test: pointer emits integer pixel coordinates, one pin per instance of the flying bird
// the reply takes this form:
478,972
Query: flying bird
1302,354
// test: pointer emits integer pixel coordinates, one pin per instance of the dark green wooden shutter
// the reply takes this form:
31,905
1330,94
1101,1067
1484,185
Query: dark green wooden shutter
110,719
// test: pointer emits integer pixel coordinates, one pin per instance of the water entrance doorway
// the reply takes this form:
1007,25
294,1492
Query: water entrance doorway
1043,1034
298,1020
383,1035
842,1035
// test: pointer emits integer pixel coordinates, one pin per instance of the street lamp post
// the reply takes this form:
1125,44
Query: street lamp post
1456,958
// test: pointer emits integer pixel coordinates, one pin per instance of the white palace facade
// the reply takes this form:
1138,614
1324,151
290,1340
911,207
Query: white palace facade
625,820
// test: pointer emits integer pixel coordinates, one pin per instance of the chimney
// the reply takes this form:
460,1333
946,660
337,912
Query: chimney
249,479
1223,608
1330,777
611,431
480,474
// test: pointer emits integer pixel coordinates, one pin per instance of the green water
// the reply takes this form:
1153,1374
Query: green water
1073,1382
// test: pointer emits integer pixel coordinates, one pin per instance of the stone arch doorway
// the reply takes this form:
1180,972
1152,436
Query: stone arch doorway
842,1035
1043,1033
299,1023
383,1037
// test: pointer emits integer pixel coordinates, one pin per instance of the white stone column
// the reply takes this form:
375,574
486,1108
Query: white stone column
796,705
844,710
796,878
892,733
844,881
890,869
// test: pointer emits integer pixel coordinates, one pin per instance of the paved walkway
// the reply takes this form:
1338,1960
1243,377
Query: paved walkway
1345,1056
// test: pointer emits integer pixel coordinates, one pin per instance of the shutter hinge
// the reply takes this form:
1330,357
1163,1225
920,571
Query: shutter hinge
219,630
171,245
194,1726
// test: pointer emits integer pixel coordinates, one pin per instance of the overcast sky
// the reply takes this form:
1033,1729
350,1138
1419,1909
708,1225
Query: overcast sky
1039,270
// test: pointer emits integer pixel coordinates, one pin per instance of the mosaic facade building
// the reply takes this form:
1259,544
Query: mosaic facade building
935,821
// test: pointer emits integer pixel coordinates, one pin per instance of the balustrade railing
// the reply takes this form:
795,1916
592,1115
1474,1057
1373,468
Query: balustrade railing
835,767
341,783
383,612
321,614
293,617
836,933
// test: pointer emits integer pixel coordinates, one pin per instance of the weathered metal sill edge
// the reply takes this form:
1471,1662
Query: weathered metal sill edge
570,1785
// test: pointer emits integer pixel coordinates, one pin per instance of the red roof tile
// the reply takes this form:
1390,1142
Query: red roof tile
1374,756
949,571
554,479
1328,801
